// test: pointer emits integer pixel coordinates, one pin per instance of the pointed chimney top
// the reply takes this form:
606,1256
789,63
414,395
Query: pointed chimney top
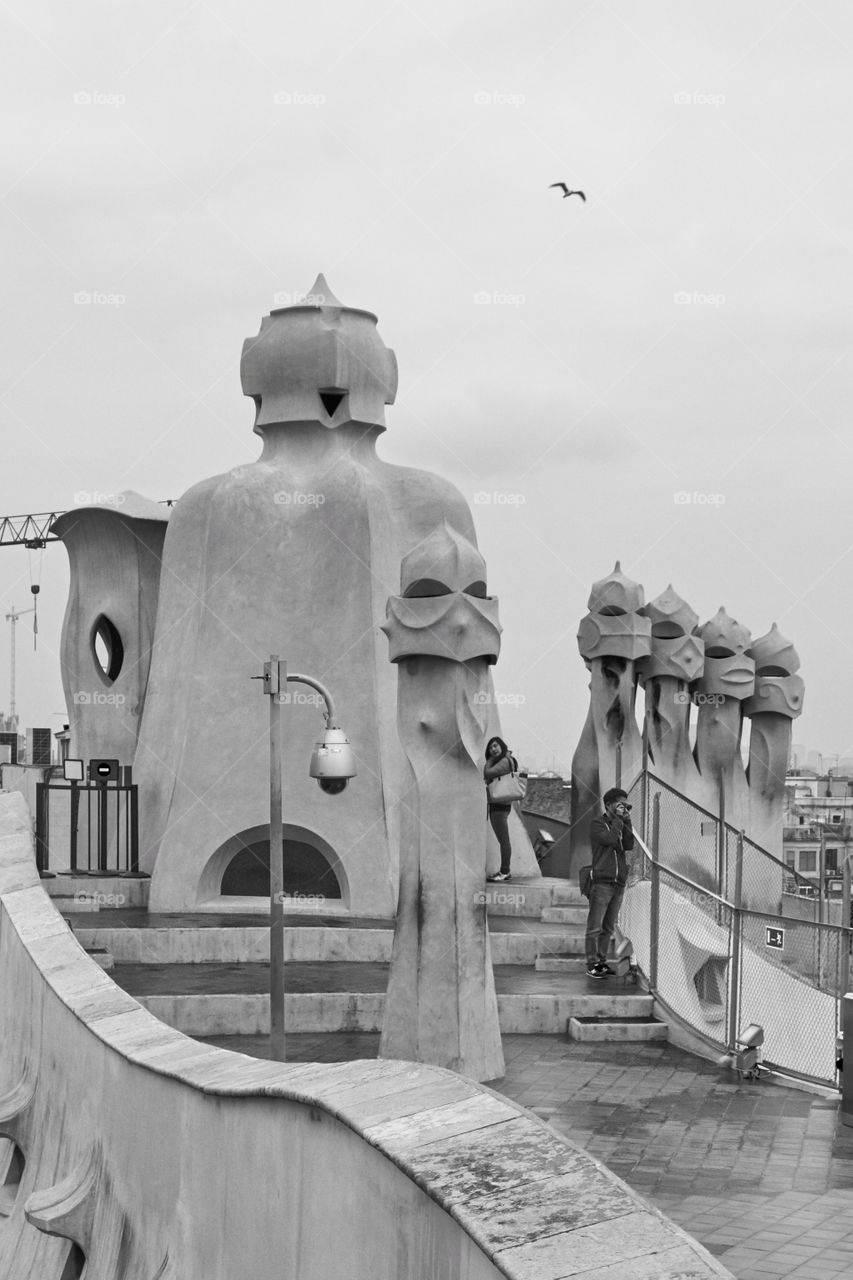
320,295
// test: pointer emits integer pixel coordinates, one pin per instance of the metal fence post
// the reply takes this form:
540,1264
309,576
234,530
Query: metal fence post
74,803
721,841
41,827
736,944
654,911
845,920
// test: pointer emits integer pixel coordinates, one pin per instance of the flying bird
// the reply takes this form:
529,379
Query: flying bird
567,192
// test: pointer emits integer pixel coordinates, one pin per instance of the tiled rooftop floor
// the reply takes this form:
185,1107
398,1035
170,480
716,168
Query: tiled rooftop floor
760,1173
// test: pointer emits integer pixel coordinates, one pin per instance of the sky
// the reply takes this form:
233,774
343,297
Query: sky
660,375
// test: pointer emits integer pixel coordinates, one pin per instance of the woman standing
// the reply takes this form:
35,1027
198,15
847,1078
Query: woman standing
498,762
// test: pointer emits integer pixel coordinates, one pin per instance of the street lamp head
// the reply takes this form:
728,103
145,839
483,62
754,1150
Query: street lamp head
332,761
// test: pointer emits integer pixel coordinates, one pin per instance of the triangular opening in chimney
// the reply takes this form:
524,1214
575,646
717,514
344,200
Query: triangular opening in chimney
331,400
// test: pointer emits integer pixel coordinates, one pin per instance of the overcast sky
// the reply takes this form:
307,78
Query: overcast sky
686,332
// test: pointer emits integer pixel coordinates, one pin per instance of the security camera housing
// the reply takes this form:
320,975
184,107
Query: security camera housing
333,786
332,761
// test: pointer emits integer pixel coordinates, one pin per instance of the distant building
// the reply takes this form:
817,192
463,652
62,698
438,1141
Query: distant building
547,811
818,826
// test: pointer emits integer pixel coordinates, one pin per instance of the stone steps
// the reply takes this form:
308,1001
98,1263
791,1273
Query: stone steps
232,1000
513,940
529,898
610,1028
103,958
224,1014
563,964
575,914
75,893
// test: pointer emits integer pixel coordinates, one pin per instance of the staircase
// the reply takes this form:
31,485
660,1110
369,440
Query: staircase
208,975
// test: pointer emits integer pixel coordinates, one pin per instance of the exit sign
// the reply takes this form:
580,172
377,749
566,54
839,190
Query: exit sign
774,938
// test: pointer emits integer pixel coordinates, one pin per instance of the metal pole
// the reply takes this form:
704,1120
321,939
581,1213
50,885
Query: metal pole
721,840
654,922
736,939
75,817
845,920
275,678
619,763
102,826
821,881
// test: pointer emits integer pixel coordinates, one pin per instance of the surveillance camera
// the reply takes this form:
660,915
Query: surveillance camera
332,786
332,762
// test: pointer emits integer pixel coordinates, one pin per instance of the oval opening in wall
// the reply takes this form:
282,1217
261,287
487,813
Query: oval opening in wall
108,648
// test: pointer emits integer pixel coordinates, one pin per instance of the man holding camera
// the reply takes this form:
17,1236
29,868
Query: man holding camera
611,838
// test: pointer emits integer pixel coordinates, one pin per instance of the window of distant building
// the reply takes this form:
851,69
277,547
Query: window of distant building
808,861
836,817
790,859
802,822
832,859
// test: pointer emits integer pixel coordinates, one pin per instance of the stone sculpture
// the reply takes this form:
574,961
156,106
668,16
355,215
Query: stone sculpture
777,700
612,637
730,680
293,554
443,634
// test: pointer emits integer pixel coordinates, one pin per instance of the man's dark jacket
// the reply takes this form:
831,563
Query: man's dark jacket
610,839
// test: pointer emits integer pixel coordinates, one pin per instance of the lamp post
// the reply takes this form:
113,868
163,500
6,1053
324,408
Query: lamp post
332,764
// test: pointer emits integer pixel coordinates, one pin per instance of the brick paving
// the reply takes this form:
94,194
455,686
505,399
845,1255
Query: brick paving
759,1173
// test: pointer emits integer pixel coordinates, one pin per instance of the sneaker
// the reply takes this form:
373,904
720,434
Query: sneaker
595,971
604,970
499,877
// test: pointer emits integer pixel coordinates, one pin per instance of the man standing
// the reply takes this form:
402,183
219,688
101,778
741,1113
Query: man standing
611,837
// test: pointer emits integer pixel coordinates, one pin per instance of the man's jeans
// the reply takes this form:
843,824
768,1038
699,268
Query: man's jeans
604,903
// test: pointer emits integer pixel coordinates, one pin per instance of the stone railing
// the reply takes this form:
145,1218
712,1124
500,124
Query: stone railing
130,1152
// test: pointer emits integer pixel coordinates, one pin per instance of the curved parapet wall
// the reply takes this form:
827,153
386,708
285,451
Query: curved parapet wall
131,1152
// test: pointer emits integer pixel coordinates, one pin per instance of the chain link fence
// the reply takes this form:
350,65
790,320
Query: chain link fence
791,975
710,917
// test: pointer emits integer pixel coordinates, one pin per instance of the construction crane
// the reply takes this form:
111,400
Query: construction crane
13,618
29,531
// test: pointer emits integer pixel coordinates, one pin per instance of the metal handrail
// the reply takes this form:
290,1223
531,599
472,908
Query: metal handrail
700,888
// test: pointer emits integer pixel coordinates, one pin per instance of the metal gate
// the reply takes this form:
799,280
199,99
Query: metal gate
87,827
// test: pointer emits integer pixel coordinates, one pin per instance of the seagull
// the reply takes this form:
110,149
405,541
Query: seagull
567,192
